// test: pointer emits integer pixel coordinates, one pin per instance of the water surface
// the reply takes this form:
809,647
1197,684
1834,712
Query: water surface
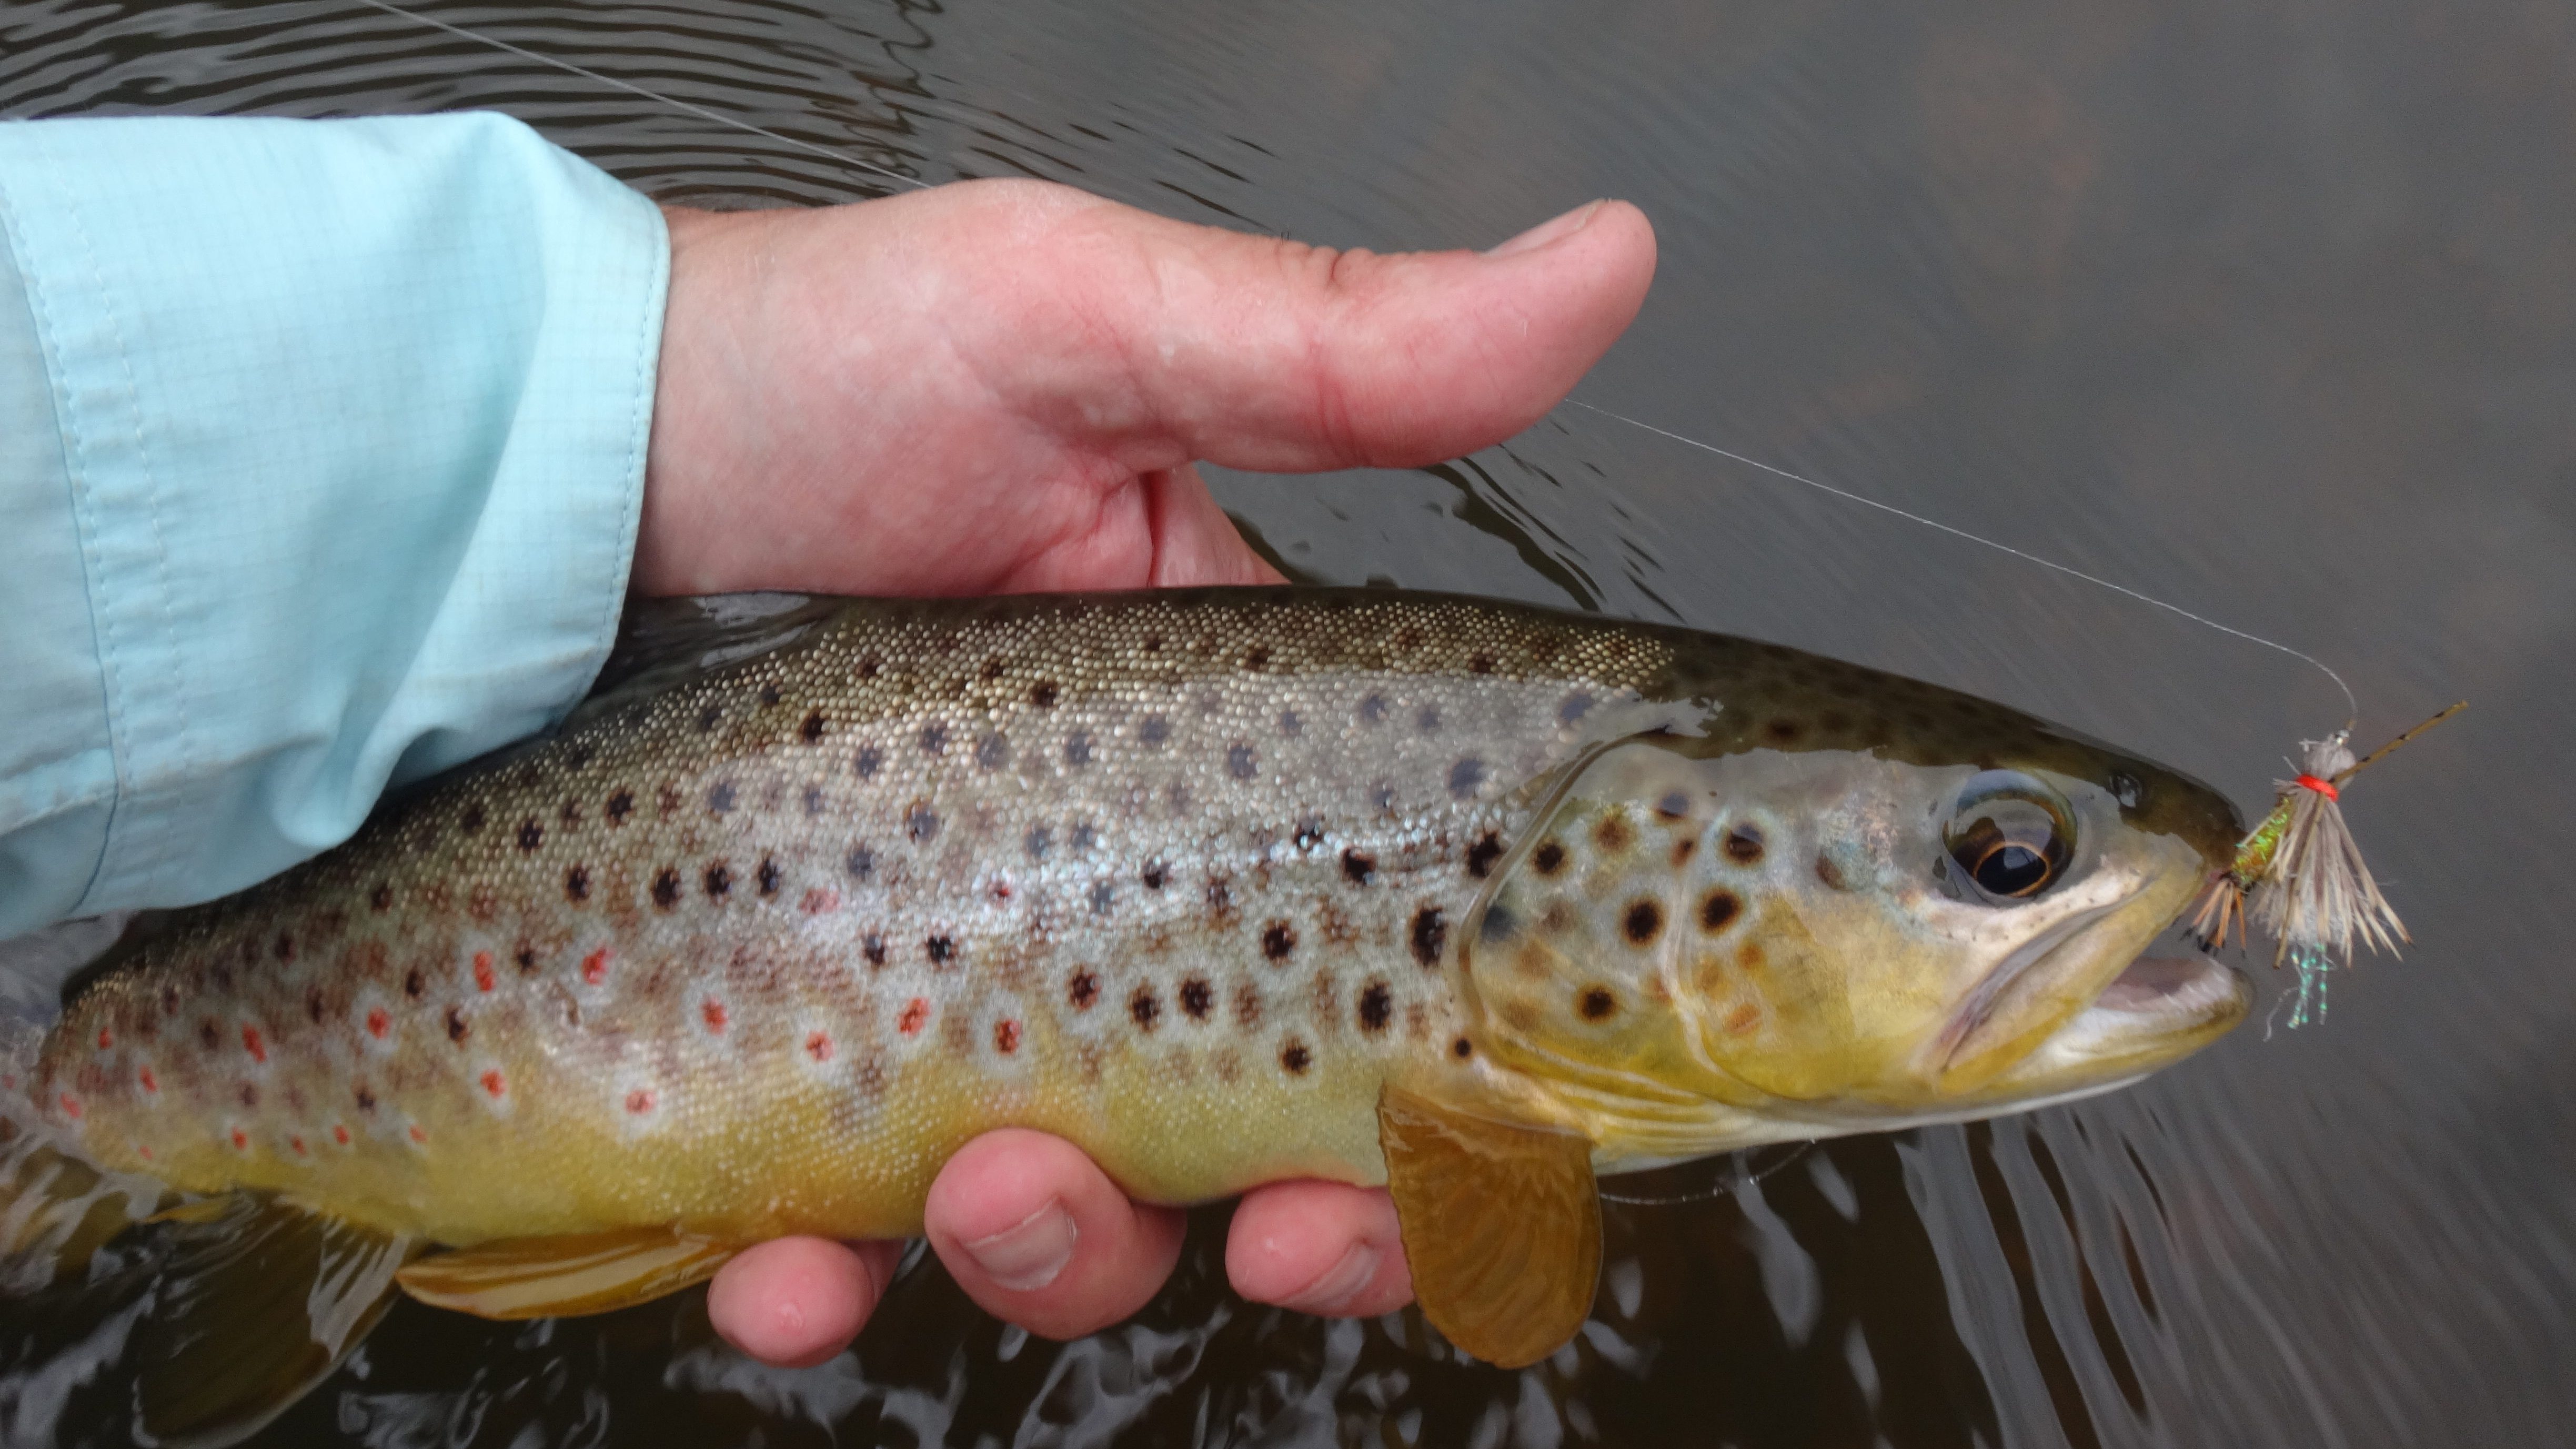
2263,306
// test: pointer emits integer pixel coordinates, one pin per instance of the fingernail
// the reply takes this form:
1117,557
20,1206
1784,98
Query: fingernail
1030,1253
1556,229
1339,1284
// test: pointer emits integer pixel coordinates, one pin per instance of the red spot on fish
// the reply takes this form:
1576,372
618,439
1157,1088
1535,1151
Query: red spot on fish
418,1134
1001,890
714,1012
297,1143
916,1012
71,1106
241,1140
106,1038
482,970
639,1101
1006,1037
820,902
594,967
252,1044
143,1152
150,1082
492,1083
378,1023
340,1134
819,1046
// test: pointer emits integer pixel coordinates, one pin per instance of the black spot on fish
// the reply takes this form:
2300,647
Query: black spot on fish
1197,997
1152,875
921,823
1482,855
939,949
1643,922
313,1004
1465,776
1498,923
1830,873
868,761
873,947
1673,806
870,666
1430,934
1082,989
1290,725
708,716
769,875
1296,1058
992,751
768,694
1084,837
1220,896
1154,730
1077,748
1037,841
718,880
1043,693
285,948
1462,1049
1101,897
1153,643
577,883
1743,845
531,834
1239,762
1612,834
861,863
1427,720
414,984
525,957
813,800
1310,833
1377,1005
1358,866
366,1101
382,897
1575,707
1373,709
666,888
1277,940
208,1035
1717,908
1548,859
1257,658
620,805
473,820
1382,795
1596,1003
1480,663
456,1028
934,739
992,669
812,729
1145,1007
1784,731
577,757
720,797
1247,1006
249,1095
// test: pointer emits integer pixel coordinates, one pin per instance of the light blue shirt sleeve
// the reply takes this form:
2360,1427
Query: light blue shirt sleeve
321,453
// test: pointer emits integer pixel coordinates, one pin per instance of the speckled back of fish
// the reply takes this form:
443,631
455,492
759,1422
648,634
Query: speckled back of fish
1182,877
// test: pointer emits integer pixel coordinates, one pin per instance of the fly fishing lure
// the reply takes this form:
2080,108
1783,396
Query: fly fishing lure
2300,877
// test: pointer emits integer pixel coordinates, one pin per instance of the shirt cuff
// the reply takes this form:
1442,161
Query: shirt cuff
351,421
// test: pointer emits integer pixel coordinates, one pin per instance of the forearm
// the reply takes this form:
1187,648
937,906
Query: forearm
321,452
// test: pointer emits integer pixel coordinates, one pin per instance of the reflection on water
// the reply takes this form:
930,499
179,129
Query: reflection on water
2261,307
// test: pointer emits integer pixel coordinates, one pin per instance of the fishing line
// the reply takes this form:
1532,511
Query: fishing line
1738,1179
2352,706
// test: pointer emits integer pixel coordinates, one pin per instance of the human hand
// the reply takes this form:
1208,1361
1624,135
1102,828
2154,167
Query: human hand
1002,386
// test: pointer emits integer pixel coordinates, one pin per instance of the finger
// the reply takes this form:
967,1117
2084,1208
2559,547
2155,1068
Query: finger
1040,1236
1319,1247
1261,353
798,1301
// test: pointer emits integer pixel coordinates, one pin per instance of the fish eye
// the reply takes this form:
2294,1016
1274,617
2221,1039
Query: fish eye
2009,835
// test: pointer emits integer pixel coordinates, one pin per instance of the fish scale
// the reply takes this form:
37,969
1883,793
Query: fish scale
1177,879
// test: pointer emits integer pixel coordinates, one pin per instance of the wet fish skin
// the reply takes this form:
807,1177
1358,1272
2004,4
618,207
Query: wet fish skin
1187,878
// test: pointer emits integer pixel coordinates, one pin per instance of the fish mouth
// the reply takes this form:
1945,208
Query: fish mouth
2156,1011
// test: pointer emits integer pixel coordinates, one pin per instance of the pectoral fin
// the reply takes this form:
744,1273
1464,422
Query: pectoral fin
563,1276
1501,1225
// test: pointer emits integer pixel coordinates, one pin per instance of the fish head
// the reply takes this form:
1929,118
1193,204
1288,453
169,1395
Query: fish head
1714,939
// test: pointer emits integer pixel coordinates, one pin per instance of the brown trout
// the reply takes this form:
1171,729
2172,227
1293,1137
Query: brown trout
1468,898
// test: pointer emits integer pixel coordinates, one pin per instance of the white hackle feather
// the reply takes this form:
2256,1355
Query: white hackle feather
2319,895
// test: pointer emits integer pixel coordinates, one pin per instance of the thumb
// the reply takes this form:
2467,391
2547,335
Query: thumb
1260,353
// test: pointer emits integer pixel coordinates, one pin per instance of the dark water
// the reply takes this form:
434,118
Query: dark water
2268,306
